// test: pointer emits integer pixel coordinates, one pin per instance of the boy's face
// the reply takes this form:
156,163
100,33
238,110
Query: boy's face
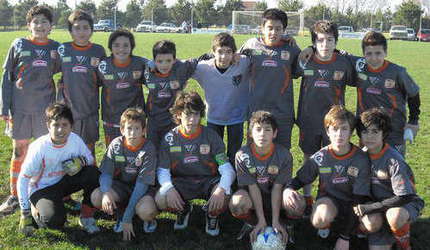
40,27
272,32
262,135
81,32
373,138
164,62
121,48
325,45
339,134
59,130
133,132
375,55
223,56
190,121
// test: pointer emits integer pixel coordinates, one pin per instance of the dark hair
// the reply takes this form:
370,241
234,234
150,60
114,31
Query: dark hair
324,27
262,117
338,113
39,10
373,38
133,114
164,47
57,111
189,102
122,32
275,14
79,15
223,39
375,116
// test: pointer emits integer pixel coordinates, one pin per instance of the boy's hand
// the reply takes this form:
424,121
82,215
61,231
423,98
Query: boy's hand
292,197
5,117
261,225
342,244
278,228
26,222
127,231
290,40
108,203
305,55
174,200
217,199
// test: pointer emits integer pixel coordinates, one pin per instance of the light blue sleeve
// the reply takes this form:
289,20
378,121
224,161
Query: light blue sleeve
139,191
105,182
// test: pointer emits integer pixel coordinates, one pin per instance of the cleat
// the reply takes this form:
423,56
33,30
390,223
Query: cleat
212,225
9,206
183,217
150,226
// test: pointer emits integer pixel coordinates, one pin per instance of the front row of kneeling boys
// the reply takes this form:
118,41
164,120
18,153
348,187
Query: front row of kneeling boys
369,192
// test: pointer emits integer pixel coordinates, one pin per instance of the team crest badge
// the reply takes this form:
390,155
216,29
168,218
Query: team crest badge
205,149
40,53
352,171
174,84
285,55
338,75
389,83
323,73
381,174
137,74
94,61
53,54
272,169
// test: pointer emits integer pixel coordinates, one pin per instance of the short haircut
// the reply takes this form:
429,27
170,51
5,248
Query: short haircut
338,113
373,38
164,47
79,15
189,102
39,10
324,27
57,111
275,14
262,117
133,114
375,116
121,32
224,39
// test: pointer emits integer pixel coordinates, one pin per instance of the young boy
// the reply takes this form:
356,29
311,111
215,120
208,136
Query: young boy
381,83
393,186
323,84
27,89
220,75
121,78
164,81
127,172
193,165
273,66
78,87
57,164
263,168
343,171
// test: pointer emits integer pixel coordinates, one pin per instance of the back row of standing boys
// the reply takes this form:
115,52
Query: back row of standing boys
191,161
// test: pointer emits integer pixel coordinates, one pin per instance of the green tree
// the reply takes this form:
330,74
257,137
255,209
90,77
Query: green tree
106,9
408,14
227,9
133,14
20,11
158,9
6,13
88,6
61,12
181,11
290,5
205,12
261,5
316,13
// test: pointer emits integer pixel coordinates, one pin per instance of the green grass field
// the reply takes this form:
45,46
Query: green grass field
412,55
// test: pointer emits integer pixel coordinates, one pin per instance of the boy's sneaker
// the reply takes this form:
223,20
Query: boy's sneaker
89,225
150,226
212,225
246,229
323,233
9,206
183,217
72,205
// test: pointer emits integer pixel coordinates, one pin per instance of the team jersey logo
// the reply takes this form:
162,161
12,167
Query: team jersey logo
40,63
139,159
236,80
169,138
374,80
122,85
340,180
389,83
360,65
190,149
261,170
122,75
285,55
137,74
174,84
352,171
269,63
103,67
79,69
322,84
40,53
339,169
18,46
338,75
164,94
81,59
318,158
94,61
61,50
374,91
263,179
323,73
381,174
191,159
273,170
205,149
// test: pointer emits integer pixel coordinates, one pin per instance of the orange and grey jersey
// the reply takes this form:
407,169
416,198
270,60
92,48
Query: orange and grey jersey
323,85
197,155
163,89
271,77
121,87
389,87
78,87
391,175
28,85
130,164
341,177
264,170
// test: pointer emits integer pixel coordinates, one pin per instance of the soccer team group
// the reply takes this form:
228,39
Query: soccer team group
159,156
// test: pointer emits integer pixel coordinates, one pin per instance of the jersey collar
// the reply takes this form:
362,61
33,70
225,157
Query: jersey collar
191,136
265,156
82,48
382,68
345,156
121,65
131,148
380,154
332,59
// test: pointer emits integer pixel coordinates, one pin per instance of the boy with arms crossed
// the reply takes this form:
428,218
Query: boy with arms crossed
193,165
395,201
127,172
57,165
78,87
263,168
343,171
27,89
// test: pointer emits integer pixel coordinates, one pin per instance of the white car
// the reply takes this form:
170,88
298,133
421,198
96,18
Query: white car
145,26
342,29
411,34
398,32
168,28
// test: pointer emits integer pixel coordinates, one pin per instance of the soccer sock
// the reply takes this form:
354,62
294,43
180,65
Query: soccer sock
402,236
250,217
15,168
87,211
309,200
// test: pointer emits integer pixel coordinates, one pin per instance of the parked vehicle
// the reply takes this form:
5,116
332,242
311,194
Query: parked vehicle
398,32
145,26
168,28
411,34
241,29
105,25
424,35
345,29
